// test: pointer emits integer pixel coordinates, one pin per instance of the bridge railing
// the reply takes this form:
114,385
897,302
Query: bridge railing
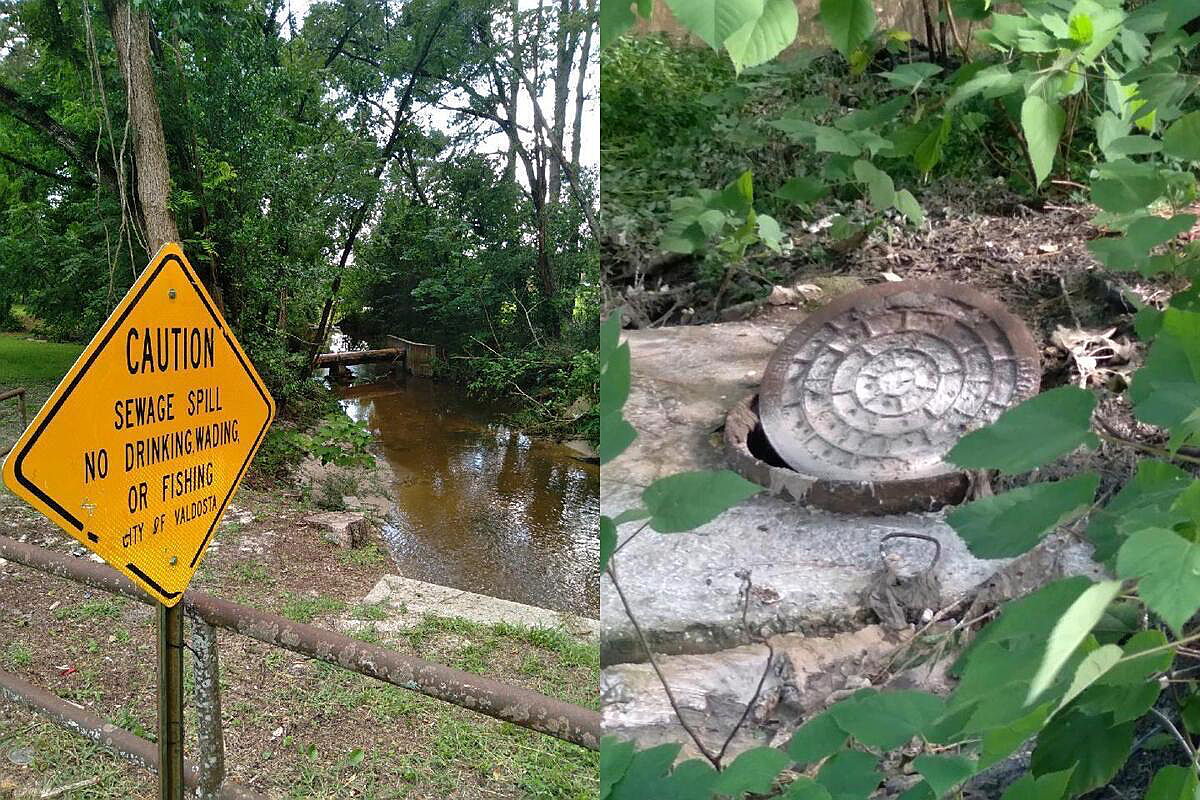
206,775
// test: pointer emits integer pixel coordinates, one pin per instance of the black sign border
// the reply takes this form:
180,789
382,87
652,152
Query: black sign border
254,379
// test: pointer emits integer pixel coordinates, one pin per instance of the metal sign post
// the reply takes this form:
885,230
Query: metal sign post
170,702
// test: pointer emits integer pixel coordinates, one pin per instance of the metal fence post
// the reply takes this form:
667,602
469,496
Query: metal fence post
170,702
211,758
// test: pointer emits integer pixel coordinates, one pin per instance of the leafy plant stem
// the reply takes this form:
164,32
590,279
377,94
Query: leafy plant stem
637,629
1166,722
1168,646
1162,452
630,539
746,587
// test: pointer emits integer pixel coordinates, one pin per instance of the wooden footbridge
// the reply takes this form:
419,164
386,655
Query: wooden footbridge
413,357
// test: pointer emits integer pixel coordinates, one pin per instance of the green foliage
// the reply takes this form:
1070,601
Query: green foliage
1008,524
848,23
1101,93
338,440
1030,435
690,499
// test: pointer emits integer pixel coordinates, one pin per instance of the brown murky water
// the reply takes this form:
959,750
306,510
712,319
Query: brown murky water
480,506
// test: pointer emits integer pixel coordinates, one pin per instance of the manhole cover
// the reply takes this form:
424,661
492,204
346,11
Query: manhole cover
880,384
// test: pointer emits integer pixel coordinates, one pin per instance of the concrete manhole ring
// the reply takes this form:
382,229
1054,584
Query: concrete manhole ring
880,384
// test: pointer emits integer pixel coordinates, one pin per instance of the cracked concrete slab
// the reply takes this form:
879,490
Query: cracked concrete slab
406,602
809,567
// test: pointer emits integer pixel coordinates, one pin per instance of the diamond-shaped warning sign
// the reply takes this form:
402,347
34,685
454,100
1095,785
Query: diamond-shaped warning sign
139,450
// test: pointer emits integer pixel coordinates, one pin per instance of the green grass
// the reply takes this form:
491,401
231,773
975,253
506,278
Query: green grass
94,609
365,556
37,366
18,655
25,361
252,573
305,608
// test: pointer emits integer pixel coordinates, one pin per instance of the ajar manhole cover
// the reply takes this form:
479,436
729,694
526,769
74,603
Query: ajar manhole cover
878,386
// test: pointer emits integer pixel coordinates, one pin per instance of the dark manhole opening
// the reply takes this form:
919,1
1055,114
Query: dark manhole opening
752,456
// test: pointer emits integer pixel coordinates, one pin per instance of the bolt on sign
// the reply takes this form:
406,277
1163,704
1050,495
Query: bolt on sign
139,450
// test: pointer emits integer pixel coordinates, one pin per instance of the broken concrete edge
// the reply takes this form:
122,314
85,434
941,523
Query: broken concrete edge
806,675
407,602
863,497
812,572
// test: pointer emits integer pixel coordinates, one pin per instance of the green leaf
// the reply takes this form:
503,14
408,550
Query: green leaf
1070,631
1189,712
1093,747
615,380
804,788
766,37
738,197
645,773
887,719
1001,742
1154,486
1010,523
616,434
1042,124
769,232
1126,690
1124,187
817,738
690,499
1173,783
714,21
943,773
910,76
995,81
1132,146
848,23
1167,568
882,190
610,337
752,771
831,140
873,116
615,757
608,541
1080,28
616,17
802,190
1032,434
1091,669
850,775
928,151
1143,235
907,205
692,780
1182,139
1046,787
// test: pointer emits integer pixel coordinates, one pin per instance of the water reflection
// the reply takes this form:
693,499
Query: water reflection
480,506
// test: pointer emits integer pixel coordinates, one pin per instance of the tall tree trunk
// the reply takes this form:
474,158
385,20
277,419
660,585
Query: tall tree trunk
131,32
514,86
580,83
567,39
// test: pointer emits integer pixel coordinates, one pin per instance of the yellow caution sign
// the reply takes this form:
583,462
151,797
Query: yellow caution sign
139,450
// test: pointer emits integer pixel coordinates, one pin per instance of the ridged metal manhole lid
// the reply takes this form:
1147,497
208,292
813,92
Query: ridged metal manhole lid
881,383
